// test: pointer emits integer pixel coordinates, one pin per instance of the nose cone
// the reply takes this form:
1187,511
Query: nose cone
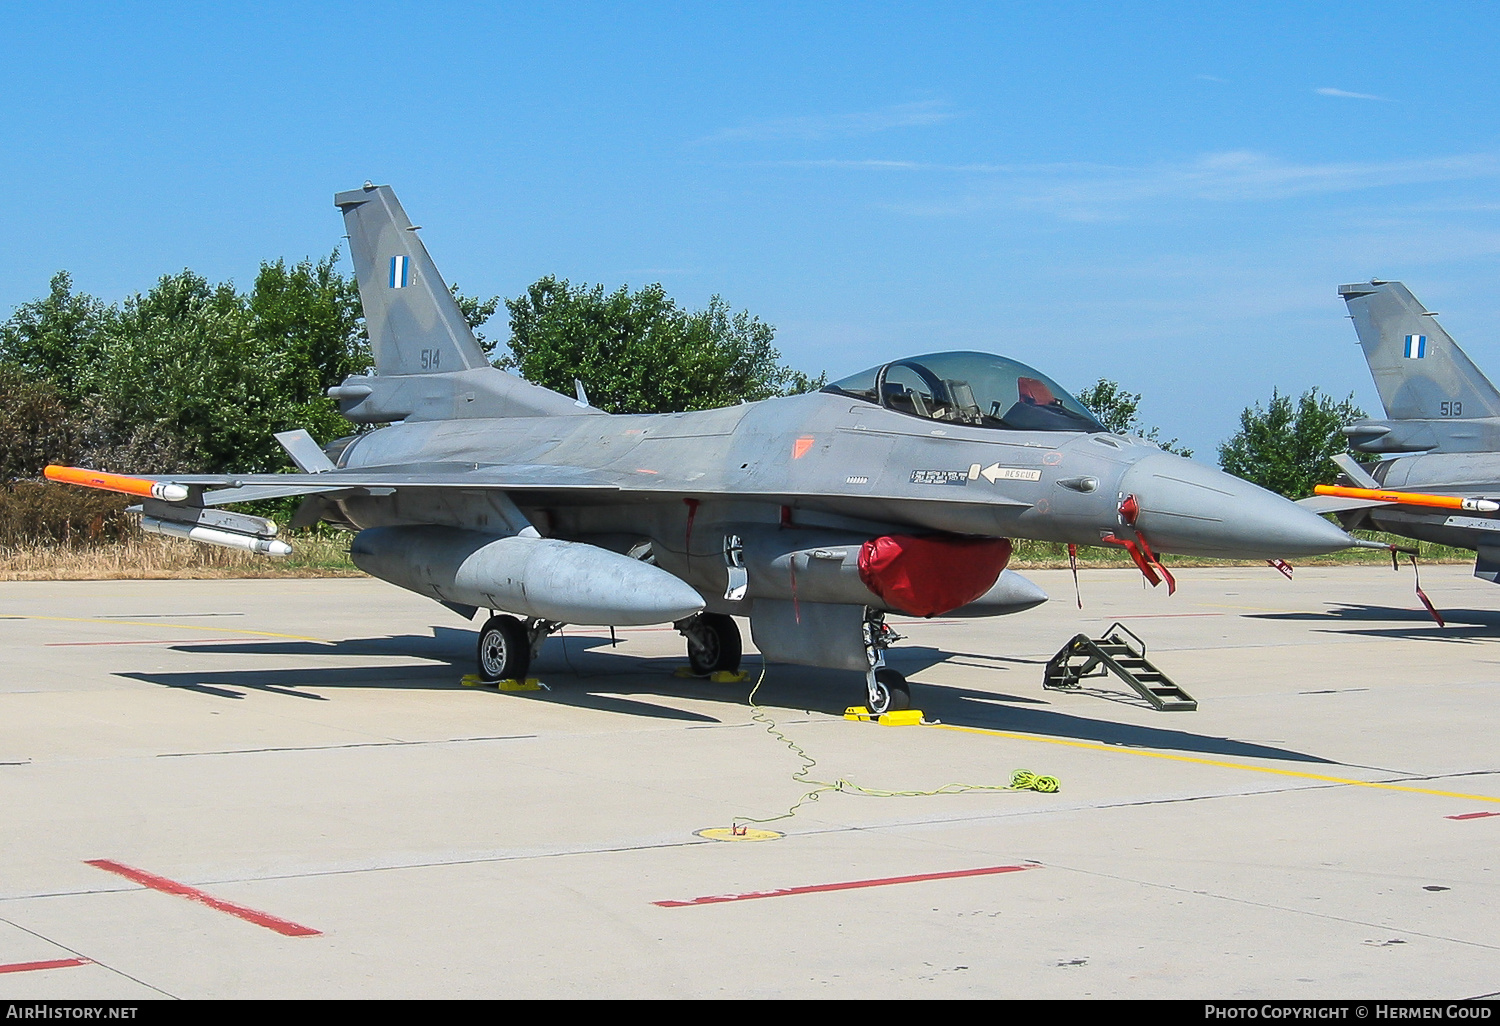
1196,510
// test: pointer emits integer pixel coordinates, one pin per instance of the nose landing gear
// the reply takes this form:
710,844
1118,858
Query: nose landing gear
887,690
713,643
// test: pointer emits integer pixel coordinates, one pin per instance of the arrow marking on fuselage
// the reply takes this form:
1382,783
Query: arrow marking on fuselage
995,472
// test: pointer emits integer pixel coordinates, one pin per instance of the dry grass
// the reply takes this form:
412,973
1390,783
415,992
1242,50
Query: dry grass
1039,555
150,557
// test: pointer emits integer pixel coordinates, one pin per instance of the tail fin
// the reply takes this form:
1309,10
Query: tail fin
414,323
1419,370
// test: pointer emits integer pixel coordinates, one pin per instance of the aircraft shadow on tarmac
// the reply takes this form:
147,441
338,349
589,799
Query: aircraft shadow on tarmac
583,672
1462,625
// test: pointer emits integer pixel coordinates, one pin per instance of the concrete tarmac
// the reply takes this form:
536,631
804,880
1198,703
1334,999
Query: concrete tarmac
192,771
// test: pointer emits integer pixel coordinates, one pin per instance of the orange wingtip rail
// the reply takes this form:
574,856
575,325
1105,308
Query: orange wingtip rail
1410,498
164,490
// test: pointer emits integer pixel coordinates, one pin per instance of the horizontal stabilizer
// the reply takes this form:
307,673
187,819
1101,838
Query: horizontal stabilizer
1358,475
305,451
1337,504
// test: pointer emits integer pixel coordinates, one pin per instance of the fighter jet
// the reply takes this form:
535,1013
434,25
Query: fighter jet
894,490
1438,404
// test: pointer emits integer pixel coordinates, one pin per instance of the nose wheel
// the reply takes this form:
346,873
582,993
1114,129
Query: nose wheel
713,643
504,650
889,691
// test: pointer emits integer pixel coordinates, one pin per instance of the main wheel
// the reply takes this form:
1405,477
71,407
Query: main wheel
504,650
892,693
720,639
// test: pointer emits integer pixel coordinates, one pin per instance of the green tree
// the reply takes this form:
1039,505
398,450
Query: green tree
36,428
190,376
477,312
57,338
210,374
307,333
175,357
641,353
1287,447
1116,409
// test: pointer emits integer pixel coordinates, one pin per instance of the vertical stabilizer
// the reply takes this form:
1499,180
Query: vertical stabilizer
1420,372
414,323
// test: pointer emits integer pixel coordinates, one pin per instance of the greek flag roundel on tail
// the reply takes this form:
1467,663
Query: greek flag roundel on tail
398,272
1416,345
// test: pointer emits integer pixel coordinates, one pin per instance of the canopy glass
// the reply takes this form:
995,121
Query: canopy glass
978,389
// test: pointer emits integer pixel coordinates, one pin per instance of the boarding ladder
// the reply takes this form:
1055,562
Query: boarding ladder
1122,653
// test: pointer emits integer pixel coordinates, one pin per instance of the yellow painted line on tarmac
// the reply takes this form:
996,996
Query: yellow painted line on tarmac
179,626
1215,762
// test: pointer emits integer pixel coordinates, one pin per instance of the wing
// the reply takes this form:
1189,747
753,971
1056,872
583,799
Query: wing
1337,504
224,489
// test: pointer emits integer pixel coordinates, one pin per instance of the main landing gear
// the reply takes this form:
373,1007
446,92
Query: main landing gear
508,645
713,643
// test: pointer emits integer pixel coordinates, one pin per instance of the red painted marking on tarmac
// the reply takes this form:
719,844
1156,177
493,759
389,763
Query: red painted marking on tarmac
848,885
1473,815
160,883
56,963
183,641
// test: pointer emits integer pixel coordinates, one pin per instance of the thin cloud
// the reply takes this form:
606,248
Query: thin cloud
1093,192
1327,91
1212,78
837,126
918,165
1243,175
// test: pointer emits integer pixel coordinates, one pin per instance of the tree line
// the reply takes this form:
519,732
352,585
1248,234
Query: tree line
197,376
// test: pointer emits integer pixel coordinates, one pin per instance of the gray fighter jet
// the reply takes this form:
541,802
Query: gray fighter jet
1438,404
893,490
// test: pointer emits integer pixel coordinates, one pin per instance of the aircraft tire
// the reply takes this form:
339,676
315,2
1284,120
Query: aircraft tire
504,650
892,692
721,645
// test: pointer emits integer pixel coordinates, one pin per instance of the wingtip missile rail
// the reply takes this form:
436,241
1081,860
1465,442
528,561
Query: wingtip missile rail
1474,505
166,491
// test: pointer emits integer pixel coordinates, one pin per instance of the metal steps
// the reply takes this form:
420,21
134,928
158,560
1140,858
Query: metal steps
1122,653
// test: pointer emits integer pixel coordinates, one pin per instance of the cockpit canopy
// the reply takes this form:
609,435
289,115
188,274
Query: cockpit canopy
978,389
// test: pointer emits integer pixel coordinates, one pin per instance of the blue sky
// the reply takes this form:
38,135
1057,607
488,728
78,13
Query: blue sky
1162,194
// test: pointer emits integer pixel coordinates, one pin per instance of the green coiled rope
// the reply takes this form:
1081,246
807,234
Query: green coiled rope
1025,780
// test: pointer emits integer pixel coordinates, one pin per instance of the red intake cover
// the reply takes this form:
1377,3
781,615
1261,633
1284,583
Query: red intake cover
933,575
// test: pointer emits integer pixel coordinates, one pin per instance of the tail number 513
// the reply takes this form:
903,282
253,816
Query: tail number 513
1452,409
